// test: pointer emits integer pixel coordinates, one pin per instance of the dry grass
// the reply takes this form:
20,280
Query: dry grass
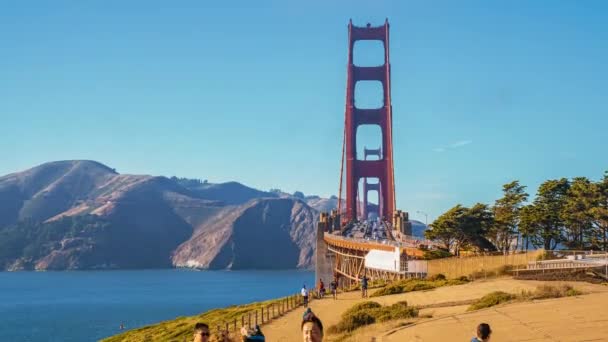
367,313
411,285
491,299
541,292
483,266
180,328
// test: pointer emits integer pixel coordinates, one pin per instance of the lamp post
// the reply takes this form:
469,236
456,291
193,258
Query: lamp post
426,216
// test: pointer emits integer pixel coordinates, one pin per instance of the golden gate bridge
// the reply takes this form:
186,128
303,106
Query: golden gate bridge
360,238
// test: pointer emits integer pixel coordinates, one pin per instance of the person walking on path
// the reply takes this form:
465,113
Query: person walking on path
483,333
305,295
364,286
334,288
321,288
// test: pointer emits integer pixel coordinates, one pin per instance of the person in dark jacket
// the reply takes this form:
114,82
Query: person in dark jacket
483,333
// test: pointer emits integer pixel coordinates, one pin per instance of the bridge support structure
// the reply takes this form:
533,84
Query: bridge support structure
382,117
367,187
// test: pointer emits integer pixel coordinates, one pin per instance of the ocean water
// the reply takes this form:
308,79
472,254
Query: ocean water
86,306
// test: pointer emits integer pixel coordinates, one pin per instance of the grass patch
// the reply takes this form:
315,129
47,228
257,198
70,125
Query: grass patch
411,285
181,327
550,291
541,292
491,299
369,312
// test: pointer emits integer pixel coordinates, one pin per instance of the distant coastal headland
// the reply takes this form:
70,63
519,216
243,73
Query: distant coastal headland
81,214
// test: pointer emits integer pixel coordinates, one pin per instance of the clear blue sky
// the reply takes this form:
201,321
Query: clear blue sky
484,92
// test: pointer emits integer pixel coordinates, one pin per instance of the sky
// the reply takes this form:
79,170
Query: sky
483,92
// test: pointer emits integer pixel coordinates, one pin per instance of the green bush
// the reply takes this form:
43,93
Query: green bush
399,310
371,312
550,291
411,285
438,276
436,254
352,321
368,305
491,299
419,286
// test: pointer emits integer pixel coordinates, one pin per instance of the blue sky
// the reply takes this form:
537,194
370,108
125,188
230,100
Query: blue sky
483,92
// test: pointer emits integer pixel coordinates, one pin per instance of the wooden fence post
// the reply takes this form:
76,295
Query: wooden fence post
242,320
256,317
249,320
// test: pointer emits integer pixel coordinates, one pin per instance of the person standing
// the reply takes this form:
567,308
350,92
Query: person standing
305,295
321,288
364,286
334,288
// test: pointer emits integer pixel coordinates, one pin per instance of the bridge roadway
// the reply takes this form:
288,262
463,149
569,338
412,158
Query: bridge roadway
364,245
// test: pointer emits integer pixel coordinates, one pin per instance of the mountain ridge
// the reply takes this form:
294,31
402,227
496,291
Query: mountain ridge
82,214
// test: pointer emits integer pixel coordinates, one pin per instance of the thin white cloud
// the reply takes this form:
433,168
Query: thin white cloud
460,143
452,146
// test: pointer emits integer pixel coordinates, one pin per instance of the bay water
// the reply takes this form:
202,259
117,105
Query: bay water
90,305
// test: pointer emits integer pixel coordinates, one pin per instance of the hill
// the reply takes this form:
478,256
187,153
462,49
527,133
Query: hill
80,214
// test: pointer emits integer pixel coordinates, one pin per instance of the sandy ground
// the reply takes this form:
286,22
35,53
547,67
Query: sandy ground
581,318
514,322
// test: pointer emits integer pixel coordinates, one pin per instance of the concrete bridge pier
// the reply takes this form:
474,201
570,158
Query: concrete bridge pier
324,260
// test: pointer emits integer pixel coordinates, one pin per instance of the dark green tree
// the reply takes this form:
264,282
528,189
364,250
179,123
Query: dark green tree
446,228
461,228
506,216
528,224
599,214
544,215
577,214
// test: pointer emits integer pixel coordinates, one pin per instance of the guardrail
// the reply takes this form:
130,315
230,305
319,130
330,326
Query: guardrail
262,315
411,241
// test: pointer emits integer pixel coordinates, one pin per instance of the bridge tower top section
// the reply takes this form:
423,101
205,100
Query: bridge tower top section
355,117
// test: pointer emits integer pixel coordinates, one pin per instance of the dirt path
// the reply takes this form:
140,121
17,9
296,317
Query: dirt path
287,328
581,318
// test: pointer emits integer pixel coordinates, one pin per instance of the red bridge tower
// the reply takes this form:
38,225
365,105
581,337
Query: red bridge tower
355,117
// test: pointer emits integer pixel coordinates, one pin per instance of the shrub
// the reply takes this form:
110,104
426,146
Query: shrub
438,276
352,321
436,254
491,299
550,291
365,306
399,310
371,312
389,290
411,285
